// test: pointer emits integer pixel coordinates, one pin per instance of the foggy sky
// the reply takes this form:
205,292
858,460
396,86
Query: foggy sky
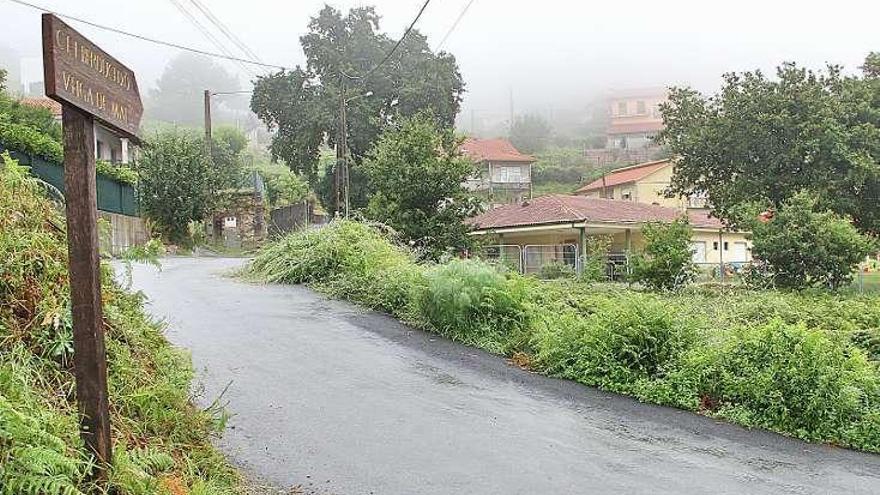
551,54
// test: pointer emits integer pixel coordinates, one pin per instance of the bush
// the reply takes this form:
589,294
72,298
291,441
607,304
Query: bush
556,269
596,258
804,246
345,258
473,302
791,379
667,262
616,347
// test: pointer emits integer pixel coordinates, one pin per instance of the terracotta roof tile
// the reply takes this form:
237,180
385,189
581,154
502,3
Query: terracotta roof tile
575,209
42,102
494,150
625,175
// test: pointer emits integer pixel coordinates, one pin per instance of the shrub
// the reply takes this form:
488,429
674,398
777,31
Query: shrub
618,346
345,258
789,378
473,302
667,262
556,269
805,246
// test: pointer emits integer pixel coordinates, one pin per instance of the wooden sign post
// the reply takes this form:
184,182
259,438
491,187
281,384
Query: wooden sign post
91,86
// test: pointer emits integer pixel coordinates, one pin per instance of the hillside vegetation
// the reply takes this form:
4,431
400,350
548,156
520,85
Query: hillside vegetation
161,441
801,364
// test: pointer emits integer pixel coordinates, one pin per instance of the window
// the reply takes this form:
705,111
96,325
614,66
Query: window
621,108
99,151
726,246
508,174
640,108
626,195
715,246
230,222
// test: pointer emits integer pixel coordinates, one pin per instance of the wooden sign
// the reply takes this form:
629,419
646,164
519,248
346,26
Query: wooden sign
78,73
90,85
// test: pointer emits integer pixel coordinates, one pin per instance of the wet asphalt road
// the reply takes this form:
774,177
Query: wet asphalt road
346,401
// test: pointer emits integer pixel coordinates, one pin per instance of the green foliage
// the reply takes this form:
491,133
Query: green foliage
14,112
179,184
283,186
792,379
40,449
117,171
762,141
555,270
563,170
29,140
667,261
595,263
345,258
619,347
530,133
472,302
303,104
802,246
417,177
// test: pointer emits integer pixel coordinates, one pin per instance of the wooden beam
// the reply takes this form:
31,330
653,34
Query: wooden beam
89,358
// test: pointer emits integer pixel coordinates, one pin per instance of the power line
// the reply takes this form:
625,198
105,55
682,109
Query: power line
225,30
148,39
454,25
394,48
207,34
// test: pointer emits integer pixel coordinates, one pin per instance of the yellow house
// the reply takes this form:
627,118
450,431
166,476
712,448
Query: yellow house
555,228
642,183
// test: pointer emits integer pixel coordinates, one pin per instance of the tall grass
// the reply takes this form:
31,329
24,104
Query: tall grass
160,438
802,364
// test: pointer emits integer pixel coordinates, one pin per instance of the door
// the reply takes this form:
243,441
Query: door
740,252
698,250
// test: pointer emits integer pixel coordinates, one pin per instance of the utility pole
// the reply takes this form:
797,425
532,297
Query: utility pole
339,175
208,119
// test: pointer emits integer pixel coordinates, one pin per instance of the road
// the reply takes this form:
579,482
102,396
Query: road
345,401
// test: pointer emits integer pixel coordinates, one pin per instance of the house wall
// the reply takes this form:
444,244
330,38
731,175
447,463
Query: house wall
506,186
729,247
625,110
648,190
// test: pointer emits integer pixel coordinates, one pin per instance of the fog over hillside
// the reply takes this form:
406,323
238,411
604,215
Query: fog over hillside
553,57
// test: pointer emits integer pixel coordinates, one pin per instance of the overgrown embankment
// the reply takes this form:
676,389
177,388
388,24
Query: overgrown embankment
802,364
161,441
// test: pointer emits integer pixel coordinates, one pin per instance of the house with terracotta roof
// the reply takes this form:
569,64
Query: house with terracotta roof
555,229
642,183
504,174
635,117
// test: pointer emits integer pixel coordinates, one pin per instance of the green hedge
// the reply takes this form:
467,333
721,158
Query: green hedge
801,364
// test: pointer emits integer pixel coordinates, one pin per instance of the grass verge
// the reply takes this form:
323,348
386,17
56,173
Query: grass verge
161,441
801,364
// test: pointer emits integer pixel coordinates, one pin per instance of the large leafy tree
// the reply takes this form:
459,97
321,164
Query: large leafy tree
416,174
762,140
530,133
303,104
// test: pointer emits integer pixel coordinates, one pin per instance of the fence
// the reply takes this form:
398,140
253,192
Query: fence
113,196
564,260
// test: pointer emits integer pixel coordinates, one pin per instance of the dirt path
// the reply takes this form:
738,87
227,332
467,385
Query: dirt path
345,401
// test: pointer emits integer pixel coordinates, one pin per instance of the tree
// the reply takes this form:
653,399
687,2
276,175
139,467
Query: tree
760,141
530,133
179,93
803,245
179,183
3,80
667,261
303,104
417,176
